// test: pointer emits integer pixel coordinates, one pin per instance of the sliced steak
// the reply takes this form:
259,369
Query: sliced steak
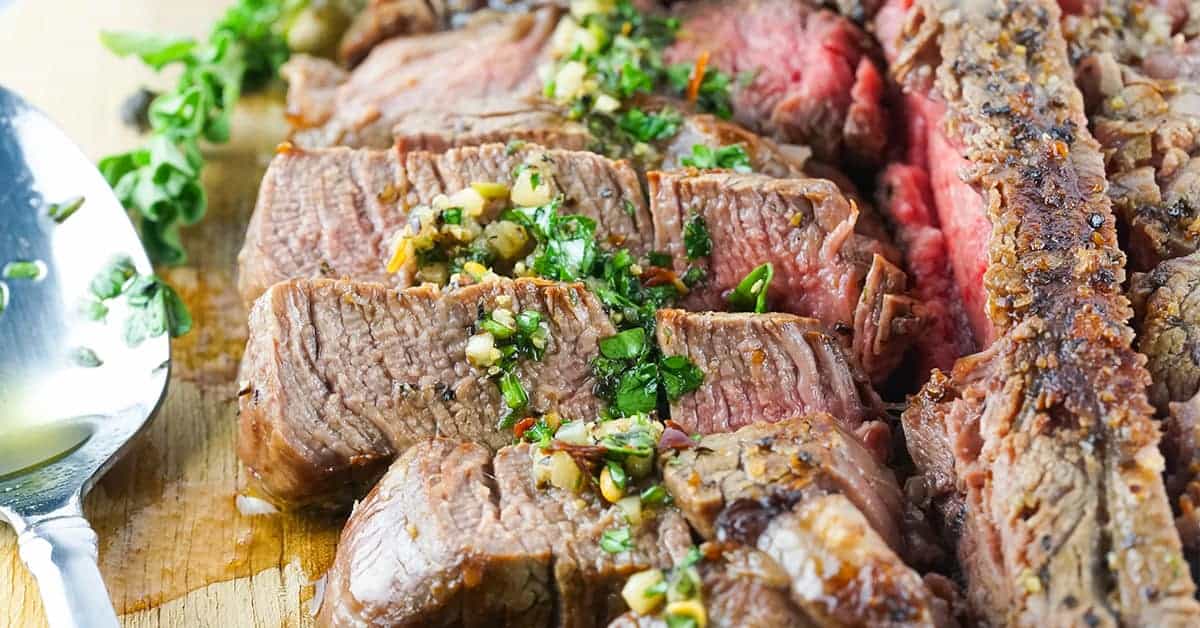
741,588
383,19
333,212
1146,116
495,55
806,493
1167,305
806,74
806,228
1055,502
906,199
765,367
1181,445
451,537
339,377
487,121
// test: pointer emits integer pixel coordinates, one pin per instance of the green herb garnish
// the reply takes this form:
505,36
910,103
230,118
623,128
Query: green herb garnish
86,358
655,494
696,240
60,212
30,270
160,182
616,540
154,308
728,157
566,244
750,295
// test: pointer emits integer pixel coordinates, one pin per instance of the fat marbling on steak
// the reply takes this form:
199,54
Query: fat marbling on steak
806,493
824,266
1040,452
333,212
454,537
495,55
339,377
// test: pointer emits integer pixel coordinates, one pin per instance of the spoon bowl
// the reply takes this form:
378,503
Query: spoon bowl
73,389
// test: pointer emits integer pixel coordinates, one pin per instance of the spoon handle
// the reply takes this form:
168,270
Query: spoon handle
61,553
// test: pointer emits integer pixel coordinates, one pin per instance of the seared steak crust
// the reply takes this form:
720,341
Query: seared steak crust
452,537
1167,305
824,267
765,367
333,212
1059,511
339,377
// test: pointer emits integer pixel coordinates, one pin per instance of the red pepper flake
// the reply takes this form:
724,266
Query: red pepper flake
523,426
693,90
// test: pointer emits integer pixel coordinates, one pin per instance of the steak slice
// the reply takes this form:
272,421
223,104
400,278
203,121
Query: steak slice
494,55
487,121
333,212
809,74
806,228
339,377
1056,506
906,199
1166,301
451,537
1146,115
765,367
741,588
807,494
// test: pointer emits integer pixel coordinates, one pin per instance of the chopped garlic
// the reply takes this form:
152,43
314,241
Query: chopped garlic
481,350
606,104
636,591
490,190
525,194
470,200
568,81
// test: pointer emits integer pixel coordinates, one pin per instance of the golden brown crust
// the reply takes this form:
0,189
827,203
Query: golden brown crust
1063,518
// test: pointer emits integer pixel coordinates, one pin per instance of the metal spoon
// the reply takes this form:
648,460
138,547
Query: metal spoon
72,391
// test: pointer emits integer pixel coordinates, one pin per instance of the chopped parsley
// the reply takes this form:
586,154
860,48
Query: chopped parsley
566,244
31,270
504,340
616,540
154,308
635,378
696,240
655,494
608,58
60,212
750,295
732,157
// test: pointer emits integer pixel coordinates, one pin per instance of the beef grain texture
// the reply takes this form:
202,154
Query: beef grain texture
340,377
766,367
1166,302
741,588
494,56
451,537
906,199
1041,452
333,212
1142,90
807,494
824,267
802,75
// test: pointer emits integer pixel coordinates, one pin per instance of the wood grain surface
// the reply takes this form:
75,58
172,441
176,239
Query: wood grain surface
174,549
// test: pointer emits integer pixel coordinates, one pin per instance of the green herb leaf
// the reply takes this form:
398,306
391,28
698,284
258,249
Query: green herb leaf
24,269
86,358
696,240
155,309
659,258
618,475
732,157
109,281
616,540
654,494
60,212
637,390
751,293
155,51
679,376
513,392
452,216
626,345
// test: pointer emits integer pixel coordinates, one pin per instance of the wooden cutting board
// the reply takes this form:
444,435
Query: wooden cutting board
174,549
